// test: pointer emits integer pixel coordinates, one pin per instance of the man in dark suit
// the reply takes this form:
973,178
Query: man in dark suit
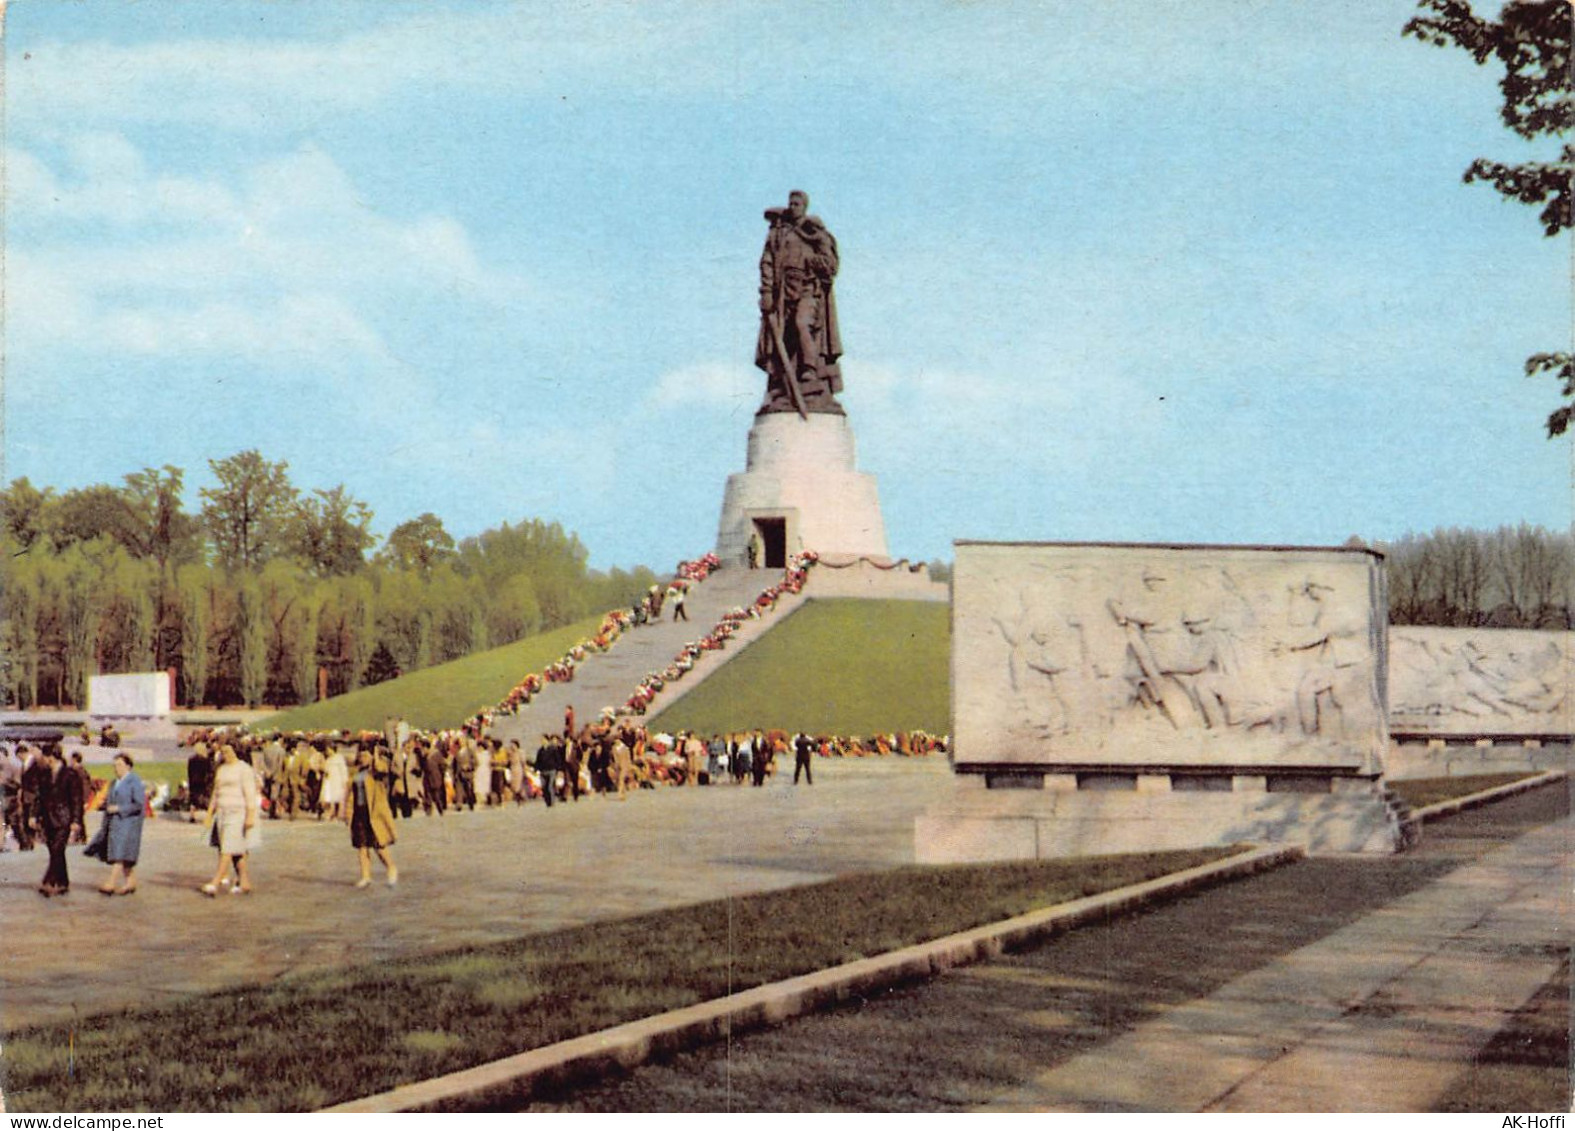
803,750
59,804
433,789
549,760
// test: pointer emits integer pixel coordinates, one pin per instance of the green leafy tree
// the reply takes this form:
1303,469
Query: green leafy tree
403,621
81,608
88,513
1531,40
20,600
302,641
23,509
418,544
249,515
250,631
553,558
347,631
511,610
195,586
129,626
332,532
163,530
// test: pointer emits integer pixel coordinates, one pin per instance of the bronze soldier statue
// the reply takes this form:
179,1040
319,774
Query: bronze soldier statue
799,344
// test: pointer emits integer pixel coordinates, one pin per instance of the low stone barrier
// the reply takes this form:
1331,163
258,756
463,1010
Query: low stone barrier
1471,801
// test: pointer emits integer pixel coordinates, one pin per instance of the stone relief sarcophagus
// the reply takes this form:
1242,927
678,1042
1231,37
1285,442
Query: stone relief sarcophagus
1197,656
1164,696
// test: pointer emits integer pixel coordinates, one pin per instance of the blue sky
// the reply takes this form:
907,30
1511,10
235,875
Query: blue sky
1123,270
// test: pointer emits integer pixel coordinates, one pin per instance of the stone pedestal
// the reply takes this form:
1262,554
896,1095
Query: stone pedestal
1079,818
800,491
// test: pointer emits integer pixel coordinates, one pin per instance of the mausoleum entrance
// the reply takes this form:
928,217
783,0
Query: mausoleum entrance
773,541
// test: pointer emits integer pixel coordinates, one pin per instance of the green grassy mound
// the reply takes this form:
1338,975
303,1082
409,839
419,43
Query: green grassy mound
834,667
441,696
1420,792
317,1039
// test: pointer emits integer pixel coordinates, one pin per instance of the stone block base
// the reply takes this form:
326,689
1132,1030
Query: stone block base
1026,824
801,490
1440,759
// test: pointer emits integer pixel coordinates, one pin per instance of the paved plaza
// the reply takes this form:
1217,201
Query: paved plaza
1336,984
469,877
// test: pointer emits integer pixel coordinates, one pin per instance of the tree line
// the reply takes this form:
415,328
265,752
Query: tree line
267,593
1512,577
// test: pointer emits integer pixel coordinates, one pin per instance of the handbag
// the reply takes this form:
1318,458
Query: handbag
98,847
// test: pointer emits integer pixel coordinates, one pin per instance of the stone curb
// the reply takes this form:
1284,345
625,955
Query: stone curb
1472,800
631,1044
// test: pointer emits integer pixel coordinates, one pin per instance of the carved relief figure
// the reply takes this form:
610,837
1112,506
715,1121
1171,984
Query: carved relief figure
1335,640
1045,669
1182,647
1509,679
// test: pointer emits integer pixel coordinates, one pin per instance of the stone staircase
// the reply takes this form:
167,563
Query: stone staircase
1408,824
607,679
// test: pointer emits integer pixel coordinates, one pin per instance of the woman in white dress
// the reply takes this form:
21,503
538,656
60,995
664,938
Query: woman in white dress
232,814
336,780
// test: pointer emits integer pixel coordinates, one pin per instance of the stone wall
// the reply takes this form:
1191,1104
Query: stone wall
131,695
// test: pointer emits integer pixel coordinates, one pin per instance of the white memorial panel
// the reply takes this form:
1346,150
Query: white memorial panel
133,695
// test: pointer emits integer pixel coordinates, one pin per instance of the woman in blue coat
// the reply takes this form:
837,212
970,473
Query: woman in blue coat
123,809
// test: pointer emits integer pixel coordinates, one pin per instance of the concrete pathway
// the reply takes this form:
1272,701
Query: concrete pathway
1379,1016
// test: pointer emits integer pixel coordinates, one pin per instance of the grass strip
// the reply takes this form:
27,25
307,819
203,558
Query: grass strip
308,1041
846,666
1421,792
441,696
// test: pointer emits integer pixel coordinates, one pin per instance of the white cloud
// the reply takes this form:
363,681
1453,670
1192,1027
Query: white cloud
712,385
283,262
570,49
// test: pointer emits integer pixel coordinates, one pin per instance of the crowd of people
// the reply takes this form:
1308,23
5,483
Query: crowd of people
236,779
300,776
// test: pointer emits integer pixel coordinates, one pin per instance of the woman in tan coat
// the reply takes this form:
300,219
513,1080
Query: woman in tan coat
371,820
232,815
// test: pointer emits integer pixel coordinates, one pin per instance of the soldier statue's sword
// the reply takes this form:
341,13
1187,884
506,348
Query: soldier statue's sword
789,378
